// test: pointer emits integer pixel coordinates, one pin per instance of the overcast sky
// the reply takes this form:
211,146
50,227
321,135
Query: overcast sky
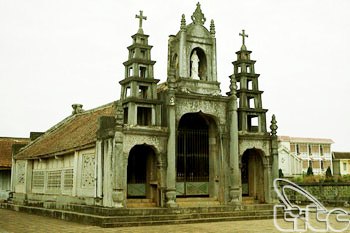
56,53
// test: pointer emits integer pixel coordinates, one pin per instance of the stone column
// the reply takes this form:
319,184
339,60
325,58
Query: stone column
235,192
161,165
213,68
99,166
274,157
171,157
183,58
267,183
118,168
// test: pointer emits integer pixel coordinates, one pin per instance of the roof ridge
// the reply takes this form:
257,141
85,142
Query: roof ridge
66,120
4,137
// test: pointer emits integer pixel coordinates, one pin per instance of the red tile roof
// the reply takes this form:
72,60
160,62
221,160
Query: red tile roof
74,132
305,140
6,149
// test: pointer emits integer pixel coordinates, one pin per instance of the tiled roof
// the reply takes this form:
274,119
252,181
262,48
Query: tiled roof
6,149
341,155
305,140
74,132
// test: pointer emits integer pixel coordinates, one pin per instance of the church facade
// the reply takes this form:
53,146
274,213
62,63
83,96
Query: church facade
160,143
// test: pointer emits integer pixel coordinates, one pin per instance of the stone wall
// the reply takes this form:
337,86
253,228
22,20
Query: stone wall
327,193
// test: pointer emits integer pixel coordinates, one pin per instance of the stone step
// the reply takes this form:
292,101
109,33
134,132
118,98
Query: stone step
186,221
107,211
197,202
152,218
142,216
249,200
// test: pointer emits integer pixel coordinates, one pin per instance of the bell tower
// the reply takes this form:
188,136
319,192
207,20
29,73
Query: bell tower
139,88
251,115
192,54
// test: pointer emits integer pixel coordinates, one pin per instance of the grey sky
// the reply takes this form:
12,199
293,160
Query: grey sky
55,53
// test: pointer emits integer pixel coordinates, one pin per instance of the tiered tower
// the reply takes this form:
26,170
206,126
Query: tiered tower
139,87
251,115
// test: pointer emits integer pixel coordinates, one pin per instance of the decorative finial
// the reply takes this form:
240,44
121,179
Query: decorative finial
233,84
183,22
140,17
198,16
243,39
273,126
212,27
77,108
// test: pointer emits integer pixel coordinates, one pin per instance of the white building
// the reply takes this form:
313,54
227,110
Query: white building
296,154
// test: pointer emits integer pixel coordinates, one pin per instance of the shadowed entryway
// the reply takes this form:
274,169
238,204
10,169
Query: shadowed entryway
142,173
252,172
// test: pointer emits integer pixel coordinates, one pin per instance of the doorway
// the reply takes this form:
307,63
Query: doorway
252,175
142,173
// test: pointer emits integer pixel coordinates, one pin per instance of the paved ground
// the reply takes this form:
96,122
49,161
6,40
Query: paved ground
12,221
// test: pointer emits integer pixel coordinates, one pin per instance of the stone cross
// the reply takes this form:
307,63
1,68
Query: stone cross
243,36
141,17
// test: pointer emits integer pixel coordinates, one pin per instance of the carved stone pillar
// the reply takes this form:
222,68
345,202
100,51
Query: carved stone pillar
161,165
119,163
171,147
235,192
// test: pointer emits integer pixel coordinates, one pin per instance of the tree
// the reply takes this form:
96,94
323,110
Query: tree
280,173
329,173
309,172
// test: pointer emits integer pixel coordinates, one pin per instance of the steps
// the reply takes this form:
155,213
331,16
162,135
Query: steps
140,203
249,200
113,217
197,202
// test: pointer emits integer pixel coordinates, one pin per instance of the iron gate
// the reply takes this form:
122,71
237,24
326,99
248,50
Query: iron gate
192,162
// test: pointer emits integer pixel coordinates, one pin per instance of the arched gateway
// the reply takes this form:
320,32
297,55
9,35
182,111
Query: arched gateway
142,173
252,174
195,158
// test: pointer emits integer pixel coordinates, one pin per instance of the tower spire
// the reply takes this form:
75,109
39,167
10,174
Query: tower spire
243,39
140,17
198,16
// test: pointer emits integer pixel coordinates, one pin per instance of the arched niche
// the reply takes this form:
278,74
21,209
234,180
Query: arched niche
202,64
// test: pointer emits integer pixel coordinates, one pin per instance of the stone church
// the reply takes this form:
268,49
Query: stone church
160,144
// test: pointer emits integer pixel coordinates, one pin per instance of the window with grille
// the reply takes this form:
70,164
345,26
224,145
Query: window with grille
68,179
38,179
54,180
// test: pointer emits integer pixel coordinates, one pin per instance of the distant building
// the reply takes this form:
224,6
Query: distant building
296,154
341,163
6,144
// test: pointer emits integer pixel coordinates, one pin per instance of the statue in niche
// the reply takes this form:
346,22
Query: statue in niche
195,64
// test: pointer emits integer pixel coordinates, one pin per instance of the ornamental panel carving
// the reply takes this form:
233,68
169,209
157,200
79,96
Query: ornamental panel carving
20,171
217,109
88,171
257,144
132,140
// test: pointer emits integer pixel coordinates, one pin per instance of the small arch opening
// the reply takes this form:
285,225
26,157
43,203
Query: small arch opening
198,64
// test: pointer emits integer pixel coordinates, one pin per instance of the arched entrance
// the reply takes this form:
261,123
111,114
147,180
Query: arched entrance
142,173
252,175
195,159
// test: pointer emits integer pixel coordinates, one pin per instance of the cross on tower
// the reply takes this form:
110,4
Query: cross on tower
141,17
243,36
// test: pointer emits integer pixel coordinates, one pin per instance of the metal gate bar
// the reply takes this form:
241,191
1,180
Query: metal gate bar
192,161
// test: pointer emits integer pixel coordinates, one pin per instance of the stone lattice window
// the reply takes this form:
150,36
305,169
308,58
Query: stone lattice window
68,179
88,171
20,170
54,180
38,179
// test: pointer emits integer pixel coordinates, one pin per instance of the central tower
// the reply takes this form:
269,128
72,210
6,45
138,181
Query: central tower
192,54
